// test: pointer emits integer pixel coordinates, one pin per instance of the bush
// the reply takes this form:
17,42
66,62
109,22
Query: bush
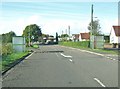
7,49
0,49
35,46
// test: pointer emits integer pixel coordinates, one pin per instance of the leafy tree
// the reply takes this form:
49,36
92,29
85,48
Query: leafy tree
33,31
64,35
7,37
95,28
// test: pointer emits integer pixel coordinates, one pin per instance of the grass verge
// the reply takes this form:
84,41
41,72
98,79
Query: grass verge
84,46
11,58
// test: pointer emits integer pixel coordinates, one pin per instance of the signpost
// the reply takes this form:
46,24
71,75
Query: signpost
19,43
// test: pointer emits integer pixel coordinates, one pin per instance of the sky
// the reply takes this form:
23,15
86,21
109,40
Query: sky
55,17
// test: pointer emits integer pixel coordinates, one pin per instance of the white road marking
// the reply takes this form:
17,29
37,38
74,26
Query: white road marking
91,52
108,57
99,82
114,59
65,55
70,60
29,55
57,54
85,51
111,58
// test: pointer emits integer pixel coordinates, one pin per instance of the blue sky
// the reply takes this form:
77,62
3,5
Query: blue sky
56,16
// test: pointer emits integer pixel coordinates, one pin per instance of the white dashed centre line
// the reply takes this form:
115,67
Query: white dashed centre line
70,60
99,82
65,55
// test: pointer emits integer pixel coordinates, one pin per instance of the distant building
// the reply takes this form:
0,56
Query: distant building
84,36
75,37
115,35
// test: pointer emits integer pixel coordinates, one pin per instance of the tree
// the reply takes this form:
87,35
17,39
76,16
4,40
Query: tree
32,32
64,35
94,28
7,37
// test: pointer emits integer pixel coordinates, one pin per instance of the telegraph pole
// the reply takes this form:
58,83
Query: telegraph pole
92,19
62,32
66,31
69,31
29,36
91,31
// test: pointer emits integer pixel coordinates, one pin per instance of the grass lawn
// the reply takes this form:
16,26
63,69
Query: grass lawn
84,46
7,60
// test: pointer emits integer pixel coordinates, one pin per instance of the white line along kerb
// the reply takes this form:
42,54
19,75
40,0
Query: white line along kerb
65,55
29,55
99,82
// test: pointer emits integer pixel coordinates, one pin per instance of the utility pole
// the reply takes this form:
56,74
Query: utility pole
29,36
69,31
92,19
91,31
62,32
66,31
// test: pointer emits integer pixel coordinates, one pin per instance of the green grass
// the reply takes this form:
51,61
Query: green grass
84,46
7,60
35,46
75,44
104,51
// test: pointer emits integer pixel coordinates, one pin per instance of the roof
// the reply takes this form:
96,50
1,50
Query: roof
85,35
117,30
76,36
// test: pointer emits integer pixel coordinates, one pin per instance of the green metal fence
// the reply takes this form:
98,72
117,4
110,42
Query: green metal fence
96,42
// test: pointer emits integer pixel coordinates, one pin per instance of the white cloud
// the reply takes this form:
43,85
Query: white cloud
106,25
18,25
60,0
59,25
51,26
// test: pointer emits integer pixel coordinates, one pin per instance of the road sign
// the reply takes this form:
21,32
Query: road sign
19,43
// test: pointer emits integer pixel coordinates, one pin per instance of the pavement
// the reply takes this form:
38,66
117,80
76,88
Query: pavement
59,66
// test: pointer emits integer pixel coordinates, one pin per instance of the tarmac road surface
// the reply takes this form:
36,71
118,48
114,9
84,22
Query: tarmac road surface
57,66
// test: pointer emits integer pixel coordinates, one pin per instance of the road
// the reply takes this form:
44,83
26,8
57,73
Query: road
57,66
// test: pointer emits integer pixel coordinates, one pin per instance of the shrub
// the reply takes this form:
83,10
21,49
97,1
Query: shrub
7,49
0,49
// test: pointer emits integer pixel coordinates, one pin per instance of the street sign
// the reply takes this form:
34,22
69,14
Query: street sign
19,43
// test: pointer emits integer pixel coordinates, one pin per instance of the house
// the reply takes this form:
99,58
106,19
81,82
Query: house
84,36
75,37
115,36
